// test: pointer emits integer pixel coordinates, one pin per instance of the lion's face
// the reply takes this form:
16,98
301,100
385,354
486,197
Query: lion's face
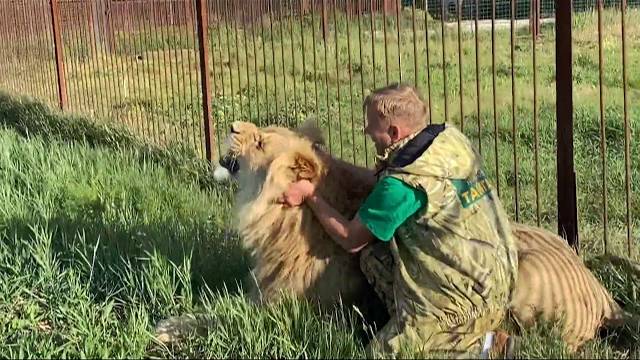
253,149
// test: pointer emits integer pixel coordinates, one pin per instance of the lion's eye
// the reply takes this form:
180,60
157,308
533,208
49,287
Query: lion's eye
259,145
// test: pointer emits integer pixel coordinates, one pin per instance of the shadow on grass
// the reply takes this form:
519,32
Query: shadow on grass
30,117
114,258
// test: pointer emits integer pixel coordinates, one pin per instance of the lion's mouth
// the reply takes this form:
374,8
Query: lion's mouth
230,163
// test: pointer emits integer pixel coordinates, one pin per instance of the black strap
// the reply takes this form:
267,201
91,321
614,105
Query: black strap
417,146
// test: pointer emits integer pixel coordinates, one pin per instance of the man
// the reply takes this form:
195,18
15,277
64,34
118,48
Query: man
454,261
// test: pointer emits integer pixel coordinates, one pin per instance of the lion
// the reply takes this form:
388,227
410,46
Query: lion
292,252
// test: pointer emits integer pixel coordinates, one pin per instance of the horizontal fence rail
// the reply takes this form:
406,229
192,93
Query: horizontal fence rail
559,147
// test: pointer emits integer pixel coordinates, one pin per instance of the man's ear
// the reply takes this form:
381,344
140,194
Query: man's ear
305,166
311,131
394,132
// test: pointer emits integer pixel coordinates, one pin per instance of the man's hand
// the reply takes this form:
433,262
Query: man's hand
297,193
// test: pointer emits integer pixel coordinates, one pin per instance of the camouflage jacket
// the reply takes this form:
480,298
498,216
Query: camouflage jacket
456,259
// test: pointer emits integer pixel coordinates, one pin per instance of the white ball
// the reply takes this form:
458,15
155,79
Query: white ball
221,174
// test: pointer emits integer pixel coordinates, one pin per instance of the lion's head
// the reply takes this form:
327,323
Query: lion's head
252,150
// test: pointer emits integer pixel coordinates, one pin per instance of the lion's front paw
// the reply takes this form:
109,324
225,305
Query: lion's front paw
175,328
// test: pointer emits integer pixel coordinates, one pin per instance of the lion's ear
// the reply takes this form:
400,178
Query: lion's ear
305,167
311,131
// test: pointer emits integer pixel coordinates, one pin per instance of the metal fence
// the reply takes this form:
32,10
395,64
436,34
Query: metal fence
528,81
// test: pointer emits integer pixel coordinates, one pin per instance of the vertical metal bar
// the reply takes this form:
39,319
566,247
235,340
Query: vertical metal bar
203,45
11,52
113,54
109,91
102,89
326,81
273,56
188,30
86,64
315,72
33,54
567,202
35,44
366,152
459,7
293,56
426,40
183,41
325,22
192,33
167,65
5,81
18,52
149,118
130,56
28,44
415,43
43,42
255,57
477,14
284,71
627,129
176,32
246,59
603,137
150,121
534,40
156,84
444,65
216,125
264,61
398,20
227,14
384,30
335,33
493,79
514,136
57,43
373,46
138,46
237,51
304,61
21,23
353,125
119,68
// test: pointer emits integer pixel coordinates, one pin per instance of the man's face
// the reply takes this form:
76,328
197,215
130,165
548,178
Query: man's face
378,130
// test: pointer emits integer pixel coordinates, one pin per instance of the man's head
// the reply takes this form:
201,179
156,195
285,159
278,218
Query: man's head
393,113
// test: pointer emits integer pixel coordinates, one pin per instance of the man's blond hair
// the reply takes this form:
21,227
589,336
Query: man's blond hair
398,102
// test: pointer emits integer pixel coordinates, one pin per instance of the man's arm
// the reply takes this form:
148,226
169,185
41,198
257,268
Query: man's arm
352,235
384,210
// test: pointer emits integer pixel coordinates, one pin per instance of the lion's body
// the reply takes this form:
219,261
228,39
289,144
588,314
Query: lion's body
555,285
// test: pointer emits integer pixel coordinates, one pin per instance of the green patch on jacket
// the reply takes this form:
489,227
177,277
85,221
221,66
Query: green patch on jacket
469,192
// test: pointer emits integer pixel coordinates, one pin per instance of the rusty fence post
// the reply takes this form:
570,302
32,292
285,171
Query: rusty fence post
203,45
325,21
534,18
566,182
58,45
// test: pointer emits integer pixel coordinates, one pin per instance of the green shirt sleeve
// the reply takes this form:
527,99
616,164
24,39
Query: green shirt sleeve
388,206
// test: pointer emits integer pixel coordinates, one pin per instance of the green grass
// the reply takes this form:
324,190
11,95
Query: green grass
100,240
